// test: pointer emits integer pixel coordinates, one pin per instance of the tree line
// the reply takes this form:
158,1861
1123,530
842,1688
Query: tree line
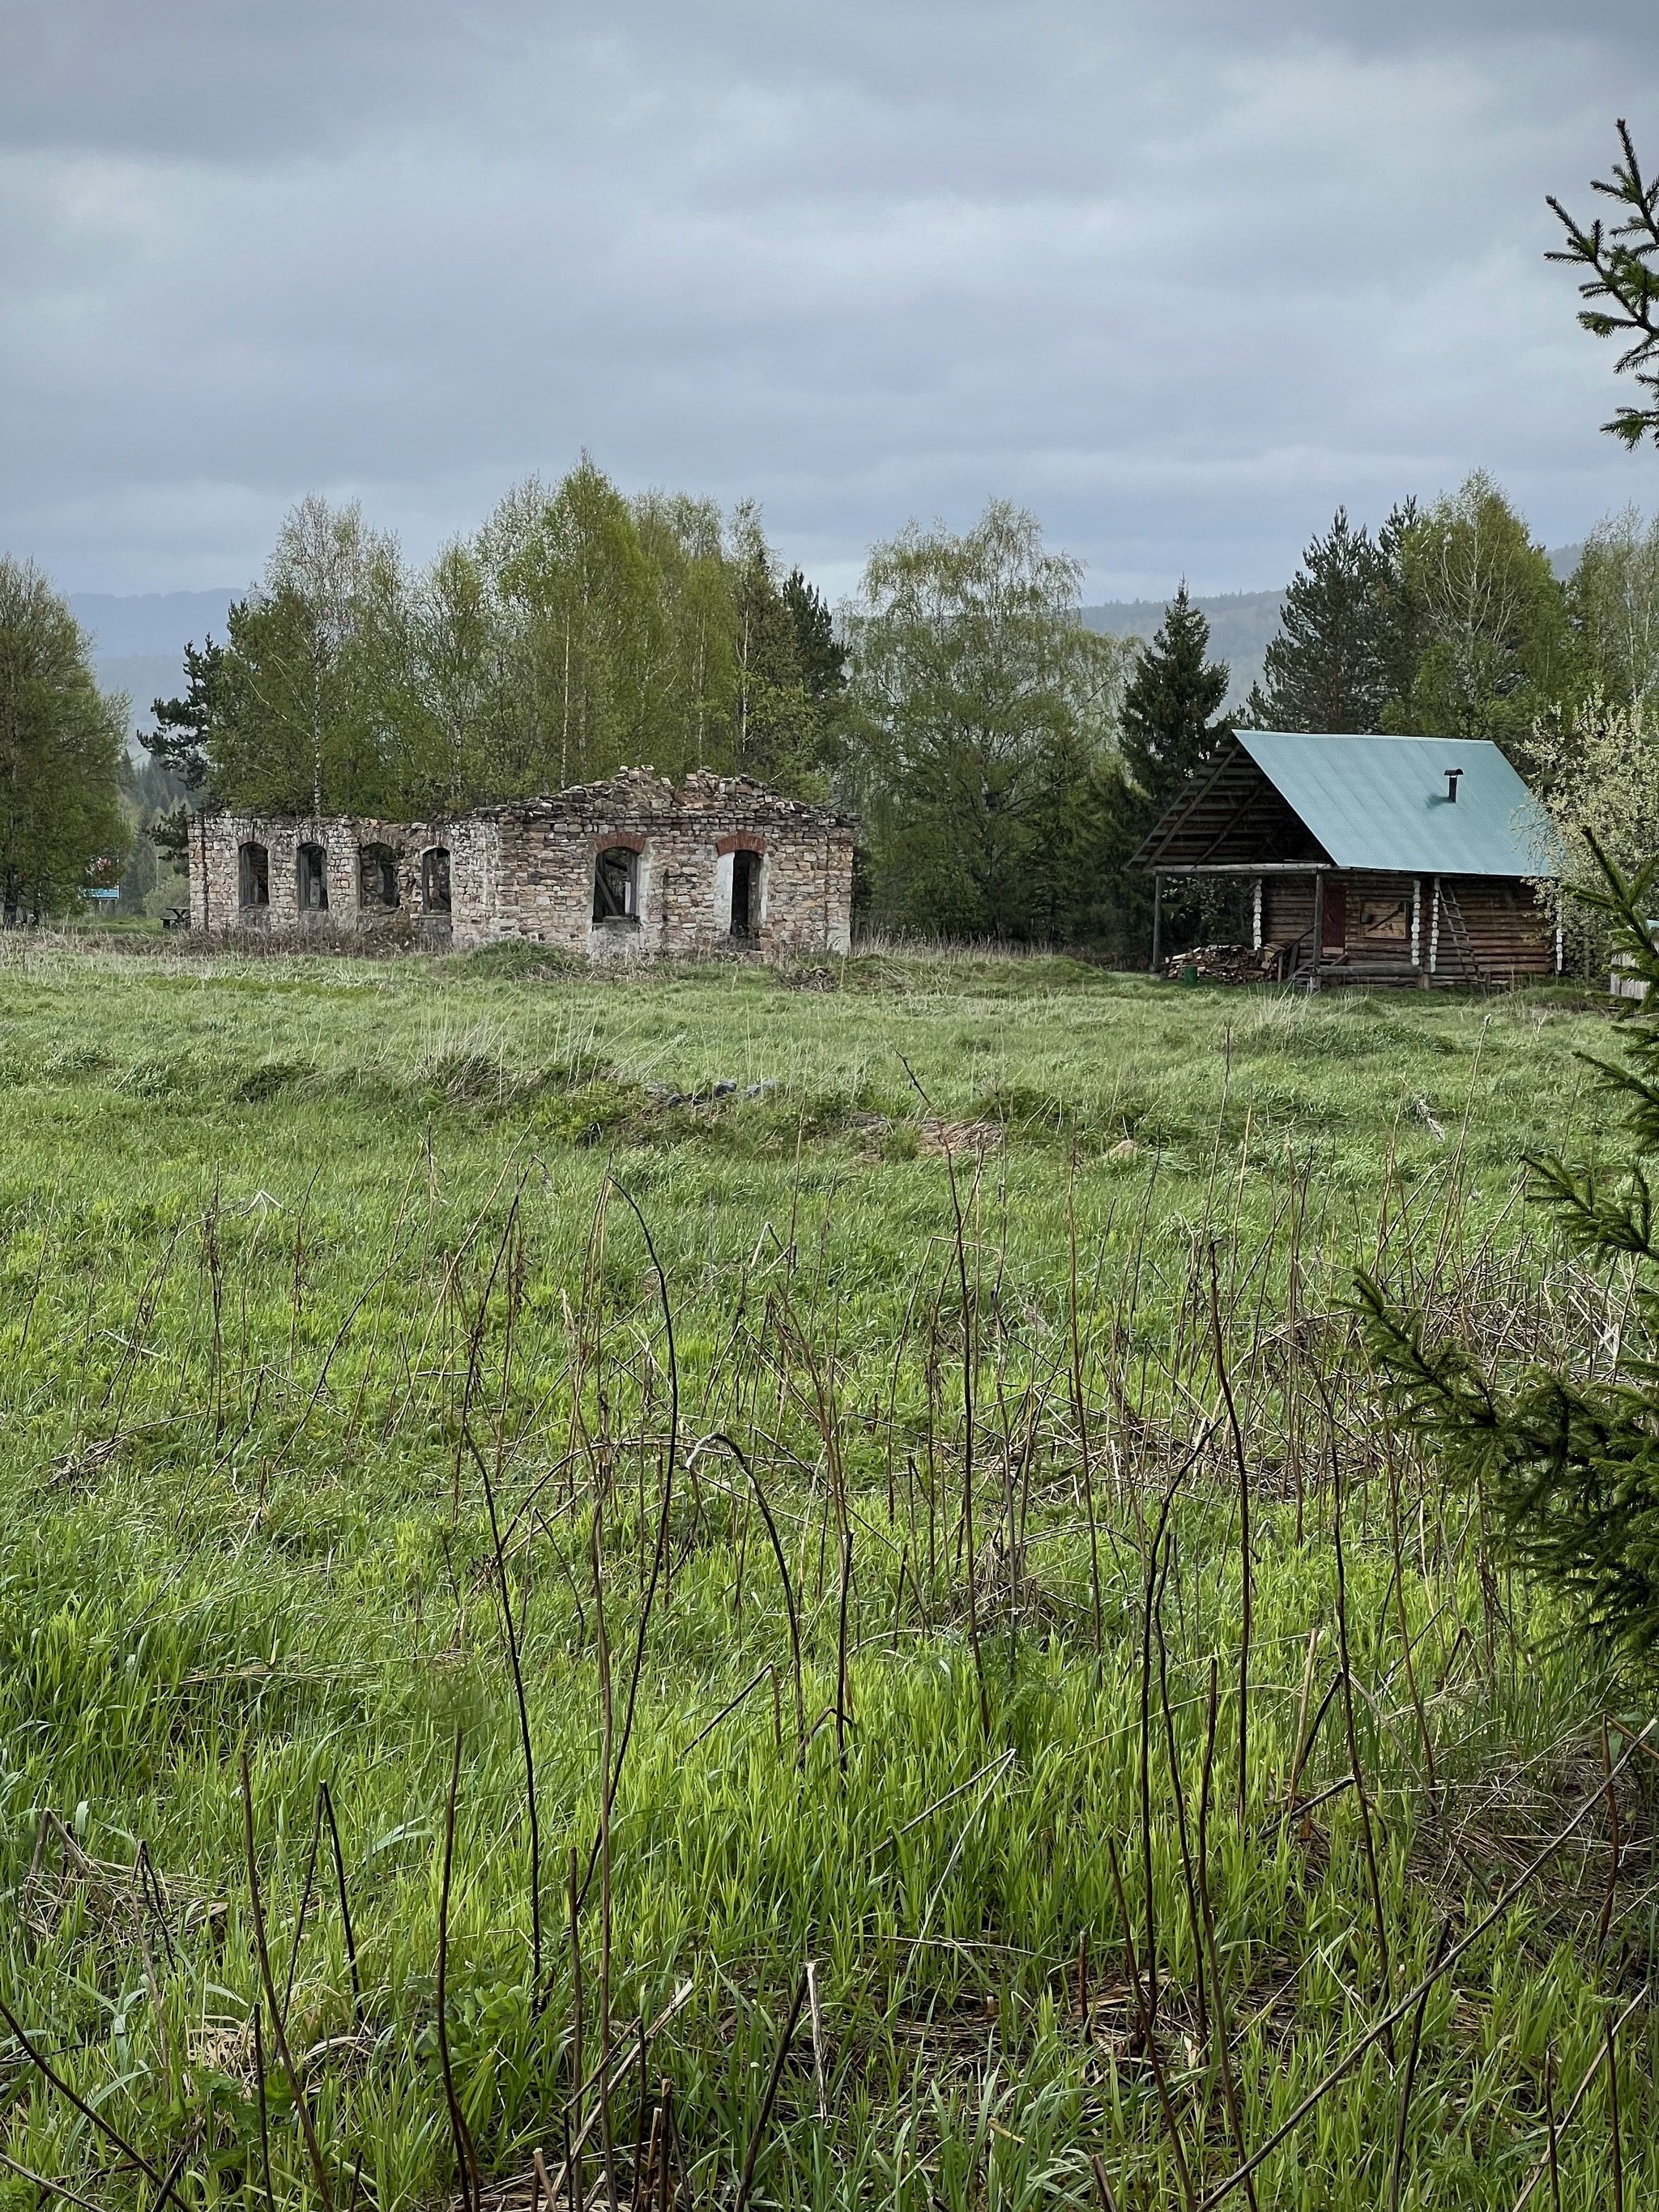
578,632
1004,760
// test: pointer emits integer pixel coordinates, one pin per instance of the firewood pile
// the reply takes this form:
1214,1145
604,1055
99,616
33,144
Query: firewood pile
1225,963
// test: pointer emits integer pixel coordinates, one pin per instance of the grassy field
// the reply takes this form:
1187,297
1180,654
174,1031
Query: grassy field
786,1588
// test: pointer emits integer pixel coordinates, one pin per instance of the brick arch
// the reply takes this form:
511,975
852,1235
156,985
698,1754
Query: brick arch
620,841
742,841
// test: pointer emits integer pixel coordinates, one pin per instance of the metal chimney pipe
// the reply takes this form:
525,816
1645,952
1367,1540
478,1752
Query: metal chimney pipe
1452,775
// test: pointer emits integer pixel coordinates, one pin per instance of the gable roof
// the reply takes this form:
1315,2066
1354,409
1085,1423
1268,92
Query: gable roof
1371,802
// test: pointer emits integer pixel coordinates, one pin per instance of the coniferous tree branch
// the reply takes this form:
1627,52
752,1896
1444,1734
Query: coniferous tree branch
1569,1467
1623,264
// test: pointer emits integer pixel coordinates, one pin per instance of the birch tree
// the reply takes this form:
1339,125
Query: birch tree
973,681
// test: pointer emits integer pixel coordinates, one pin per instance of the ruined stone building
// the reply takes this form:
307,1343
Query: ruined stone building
631,865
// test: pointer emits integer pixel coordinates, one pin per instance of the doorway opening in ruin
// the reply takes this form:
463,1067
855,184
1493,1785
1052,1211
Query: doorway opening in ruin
253,876
435,879
745,894
378,875
311,878
617,885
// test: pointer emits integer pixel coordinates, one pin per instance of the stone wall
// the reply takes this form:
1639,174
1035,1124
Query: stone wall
528,871
683,840
219,877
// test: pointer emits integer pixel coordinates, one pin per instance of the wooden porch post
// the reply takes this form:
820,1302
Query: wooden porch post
1158,919
1419,941
1318,927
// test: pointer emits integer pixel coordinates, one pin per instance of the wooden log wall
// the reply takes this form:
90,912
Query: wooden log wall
1505,939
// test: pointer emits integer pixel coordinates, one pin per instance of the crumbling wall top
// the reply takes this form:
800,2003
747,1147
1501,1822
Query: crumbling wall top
642,792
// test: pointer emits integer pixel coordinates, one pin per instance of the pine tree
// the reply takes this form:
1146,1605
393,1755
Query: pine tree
1568,1467
1325,669
182,739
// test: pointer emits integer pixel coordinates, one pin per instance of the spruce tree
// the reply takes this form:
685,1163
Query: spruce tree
1170,728
1566,1464
823,656
1325,669
1173,694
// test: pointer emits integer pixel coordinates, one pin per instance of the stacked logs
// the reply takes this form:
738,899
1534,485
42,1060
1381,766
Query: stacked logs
1224,963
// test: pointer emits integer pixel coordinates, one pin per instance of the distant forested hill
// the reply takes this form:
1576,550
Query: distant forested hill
139,638
1242,624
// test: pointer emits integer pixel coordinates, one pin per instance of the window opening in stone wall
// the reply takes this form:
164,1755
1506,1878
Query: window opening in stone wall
253,876
311,878
435,879
745,894
617,885
378,875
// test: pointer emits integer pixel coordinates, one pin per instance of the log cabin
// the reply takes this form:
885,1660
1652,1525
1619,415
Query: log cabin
1372,860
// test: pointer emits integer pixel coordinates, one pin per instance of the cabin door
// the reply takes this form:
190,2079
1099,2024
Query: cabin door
1335,931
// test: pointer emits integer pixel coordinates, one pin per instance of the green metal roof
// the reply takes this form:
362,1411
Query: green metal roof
1380,803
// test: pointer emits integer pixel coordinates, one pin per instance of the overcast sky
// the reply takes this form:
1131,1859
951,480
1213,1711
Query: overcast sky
1180,275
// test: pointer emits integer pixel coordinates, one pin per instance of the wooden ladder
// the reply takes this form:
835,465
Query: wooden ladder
1453,925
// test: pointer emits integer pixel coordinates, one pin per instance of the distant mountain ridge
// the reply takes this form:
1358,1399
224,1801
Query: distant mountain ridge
1242,626
127,625
139,637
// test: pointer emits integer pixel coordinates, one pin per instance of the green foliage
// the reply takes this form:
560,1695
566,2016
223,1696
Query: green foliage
1614,600
1169,708
783,669
1326,669
983,715
1170,729
579,632
821,655
1595,754
1623,266
183,727
1493,648
1568,1462
62,746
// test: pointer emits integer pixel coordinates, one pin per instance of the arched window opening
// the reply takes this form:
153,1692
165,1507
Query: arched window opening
617,885
378,875
435,879
311,878
745,894
253,876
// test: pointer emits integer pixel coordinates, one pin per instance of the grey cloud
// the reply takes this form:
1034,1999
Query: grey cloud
1179,277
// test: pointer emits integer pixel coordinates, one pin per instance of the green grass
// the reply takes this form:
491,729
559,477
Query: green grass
306,1263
